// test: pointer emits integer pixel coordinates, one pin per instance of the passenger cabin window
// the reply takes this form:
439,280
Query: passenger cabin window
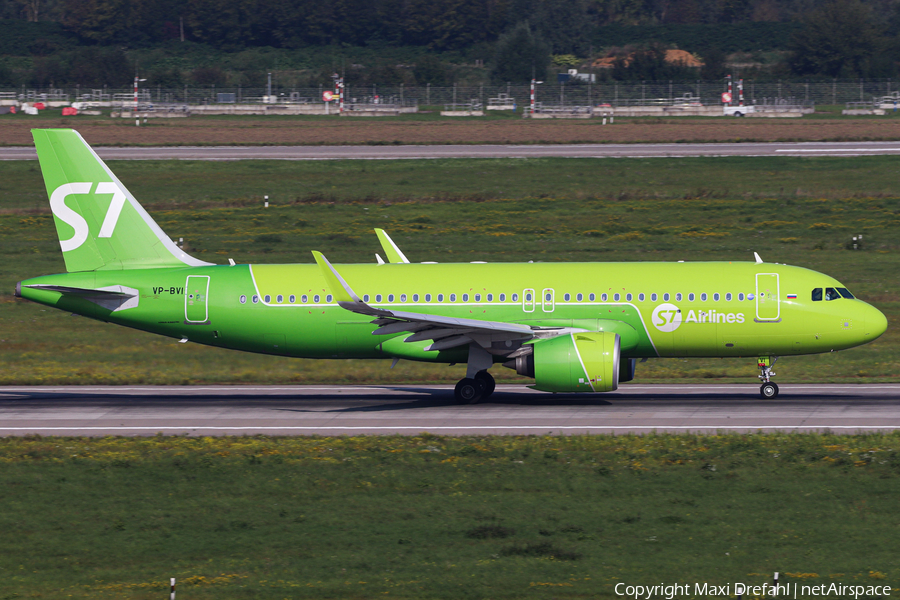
377,297
427,297
678,296
740,296
440,297
279,298
329,298
703,296
268,298
666,297
490,297
390,297
365,298
316,298
592,297
477,297
728,297
691,297
604,297
243,299
579,297
465,297
628,296
716,296
641,296
528,297
817,295
567,297
515,297
653,297
415,297
304,298
255,298
402,297
292,298
502,297
452,297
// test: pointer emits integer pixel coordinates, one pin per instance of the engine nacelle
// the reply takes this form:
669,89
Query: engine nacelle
578,362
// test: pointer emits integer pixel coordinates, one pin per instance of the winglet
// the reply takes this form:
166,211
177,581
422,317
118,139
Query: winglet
339,287
391,250
758,259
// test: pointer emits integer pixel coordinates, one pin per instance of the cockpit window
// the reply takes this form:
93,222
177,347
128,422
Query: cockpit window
831,294
845,293
817,295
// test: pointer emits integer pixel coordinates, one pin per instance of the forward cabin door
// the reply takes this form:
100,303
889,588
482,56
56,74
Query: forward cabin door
768,303
196,293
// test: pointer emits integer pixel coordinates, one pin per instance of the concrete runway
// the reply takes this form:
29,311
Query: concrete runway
409,410
480,151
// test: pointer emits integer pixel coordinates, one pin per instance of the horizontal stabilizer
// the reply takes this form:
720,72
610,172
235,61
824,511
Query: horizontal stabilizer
82,292
113,298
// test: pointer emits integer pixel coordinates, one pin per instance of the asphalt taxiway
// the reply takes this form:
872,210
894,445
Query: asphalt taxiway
410,410
363,152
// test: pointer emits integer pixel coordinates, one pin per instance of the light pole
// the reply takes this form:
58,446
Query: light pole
137,121
534,85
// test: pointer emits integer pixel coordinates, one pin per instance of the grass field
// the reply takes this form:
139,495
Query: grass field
796,211
431,517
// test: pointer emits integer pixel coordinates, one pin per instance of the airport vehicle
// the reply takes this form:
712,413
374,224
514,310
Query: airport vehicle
573,327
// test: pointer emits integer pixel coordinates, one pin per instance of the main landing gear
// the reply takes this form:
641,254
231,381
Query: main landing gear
474,389
478,384
768,389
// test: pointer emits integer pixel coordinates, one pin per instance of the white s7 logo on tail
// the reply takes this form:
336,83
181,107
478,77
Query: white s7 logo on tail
76,221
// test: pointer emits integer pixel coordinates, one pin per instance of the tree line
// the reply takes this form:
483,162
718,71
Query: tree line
566,25
514,38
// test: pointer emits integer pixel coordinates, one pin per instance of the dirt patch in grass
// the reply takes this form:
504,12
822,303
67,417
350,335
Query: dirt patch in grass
336,131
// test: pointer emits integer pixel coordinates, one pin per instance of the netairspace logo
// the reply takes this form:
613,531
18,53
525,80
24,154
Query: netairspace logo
668,317
781,590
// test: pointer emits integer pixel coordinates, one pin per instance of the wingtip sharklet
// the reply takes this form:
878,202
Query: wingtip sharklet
391,250
342,291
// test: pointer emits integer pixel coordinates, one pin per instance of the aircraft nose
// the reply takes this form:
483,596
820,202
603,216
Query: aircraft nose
876,323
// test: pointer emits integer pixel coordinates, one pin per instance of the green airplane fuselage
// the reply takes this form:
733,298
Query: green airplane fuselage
567,325
288,309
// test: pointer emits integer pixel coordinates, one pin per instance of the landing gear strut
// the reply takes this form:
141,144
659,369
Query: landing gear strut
768,389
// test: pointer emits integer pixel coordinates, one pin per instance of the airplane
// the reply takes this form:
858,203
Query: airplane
572,327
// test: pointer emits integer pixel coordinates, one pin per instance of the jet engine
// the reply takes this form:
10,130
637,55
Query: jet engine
577,362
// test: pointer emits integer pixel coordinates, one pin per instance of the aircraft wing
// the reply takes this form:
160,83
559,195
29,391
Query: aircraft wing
445,332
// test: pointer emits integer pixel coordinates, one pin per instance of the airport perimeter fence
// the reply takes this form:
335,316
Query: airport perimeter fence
614,94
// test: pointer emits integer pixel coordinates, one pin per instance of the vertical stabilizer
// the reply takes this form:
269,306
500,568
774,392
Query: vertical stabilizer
99,223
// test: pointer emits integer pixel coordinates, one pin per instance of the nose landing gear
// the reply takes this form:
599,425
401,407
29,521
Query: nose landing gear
768,389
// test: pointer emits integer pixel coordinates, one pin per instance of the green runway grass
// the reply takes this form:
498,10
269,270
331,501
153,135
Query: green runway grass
432,517
796,211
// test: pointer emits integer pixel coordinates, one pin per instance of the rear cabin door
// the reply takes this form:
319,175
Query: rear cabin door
196,292
768,304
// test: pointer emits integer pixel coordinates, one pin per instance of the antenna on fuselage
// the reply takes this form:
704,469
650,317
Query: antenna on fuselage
758,259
